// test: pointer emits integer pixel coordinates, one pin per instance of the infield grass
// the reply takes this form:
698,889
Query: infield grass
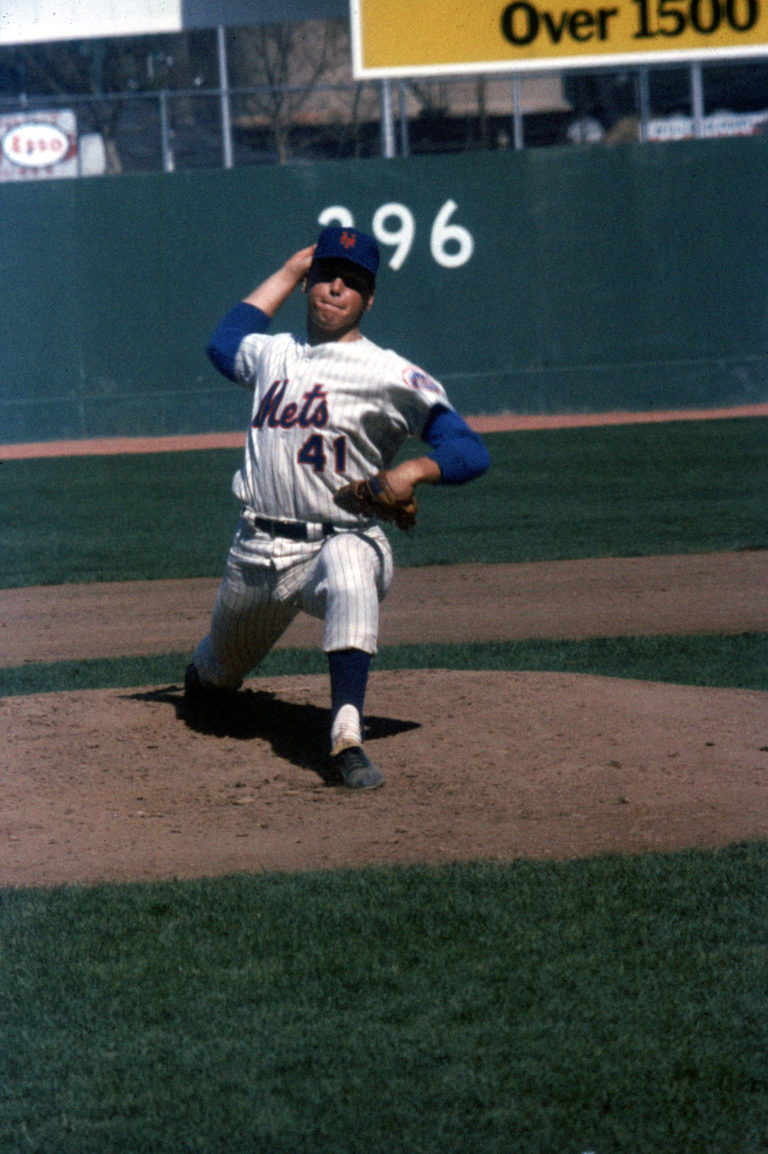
615,1005
738,661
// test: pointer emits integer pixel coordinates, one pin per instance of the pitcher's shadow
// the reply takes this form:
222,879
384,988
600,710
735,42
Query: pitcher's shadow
297,733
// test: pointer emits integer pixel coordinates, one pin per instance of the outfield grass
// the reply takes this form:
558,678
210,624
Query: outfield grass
615,1005
631,490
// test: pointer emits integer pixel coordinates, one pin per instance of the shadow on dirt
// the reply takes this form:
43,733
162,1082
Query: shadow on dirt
297,733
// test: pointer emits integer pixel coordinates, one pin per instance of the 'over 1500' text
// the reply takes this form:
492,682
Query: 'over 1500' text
524,24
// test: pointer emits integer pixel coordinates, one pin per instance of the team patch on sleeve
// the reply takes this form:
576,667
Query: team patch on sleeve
421,381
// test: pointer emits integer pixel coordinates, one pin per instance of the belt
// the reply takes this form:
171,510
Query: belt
294,530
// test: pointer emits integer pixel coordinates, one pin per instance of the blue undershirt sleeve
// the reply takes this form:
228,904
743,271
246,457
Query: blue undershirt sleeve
458,450
239,322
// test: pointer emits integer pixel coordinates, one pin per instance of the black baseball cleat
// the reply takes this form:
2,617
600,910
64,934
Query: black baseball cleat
200,698
354,768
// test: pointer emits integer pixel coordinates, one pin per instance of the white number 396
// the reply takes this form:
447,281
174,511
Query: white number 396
394,225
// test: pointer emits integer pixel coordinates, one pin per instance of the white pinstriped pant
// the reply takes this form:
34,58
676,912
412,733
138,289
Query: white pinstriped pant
268,581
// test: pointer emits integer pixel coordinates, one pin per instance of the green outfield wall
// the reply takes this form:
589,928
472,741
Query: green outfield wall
547,281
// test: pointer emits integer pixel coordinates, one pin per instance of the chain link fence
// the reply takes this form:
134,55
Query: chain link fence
212,127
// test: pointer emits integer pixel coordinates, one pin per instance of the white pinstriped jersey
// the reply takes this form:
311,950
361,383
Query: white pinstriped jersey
324,415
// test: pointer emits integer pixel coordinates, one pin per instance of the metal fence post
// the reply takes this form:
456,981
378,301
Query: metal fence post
165,134
226,116
644,101
697,99
518,132
387,121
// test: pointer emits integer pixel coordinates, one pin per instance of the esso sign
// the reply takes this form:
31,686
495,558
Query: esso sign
35,144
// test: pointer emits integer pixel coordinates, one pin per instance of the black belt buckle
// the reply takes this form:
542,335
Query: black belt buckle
293,530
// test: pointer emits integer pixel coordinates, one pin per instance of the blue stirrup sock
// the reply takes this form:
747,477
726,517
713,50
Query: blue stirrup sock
349,679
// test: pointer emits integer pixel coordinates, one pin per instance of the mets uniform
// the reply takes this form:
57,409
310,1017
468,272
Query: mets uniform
323,414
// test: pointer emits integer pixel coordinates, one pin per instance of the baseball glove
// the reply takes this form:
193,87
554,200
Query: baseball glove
373,497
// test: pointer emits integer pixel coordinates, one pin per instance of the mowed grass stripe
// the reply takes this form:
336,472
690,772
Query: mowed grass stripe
737,661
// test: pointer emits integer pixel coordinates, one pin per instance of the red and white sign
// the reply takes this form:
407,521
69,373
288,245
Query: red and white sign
38,144
718,124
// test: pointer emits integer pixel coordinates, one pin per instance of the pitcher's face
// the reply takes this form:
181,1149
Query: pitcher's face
339,294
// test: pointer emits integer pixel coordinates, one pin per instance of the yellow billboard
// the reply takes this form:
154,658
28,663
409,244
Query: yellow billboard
421,37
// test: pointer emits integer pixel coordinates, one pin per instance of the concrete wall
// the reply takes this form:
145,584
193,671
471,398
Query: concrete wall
631,277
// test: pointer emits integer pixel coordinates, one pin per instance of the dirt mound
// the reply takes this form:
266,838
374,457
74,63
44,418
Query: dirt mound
116,785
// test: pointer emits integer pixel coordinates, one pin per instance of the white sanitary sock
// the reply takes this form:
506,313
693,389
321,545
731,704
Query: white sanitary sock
346,729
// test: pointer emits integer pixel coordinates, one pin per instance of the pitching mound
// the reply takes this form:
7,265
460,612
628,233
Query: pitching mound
115,785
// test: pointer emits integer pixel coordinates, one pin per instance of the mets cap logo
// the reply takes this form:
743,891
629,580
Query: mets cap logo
348,239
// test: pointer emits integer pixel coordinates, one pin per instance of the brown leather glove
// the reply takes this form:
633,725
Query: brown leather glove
373,497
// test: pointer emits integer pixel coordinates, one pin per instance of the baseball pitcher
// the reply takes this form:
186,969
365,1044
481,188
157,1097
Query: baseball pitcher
330,412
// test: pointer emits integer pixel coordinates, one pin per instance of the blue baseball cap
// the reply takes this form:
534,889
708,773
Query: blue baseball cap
348,244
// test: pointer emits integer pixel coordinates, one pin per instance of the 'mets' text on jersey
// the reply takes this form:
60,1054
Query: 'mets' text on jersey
324,415
279,415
